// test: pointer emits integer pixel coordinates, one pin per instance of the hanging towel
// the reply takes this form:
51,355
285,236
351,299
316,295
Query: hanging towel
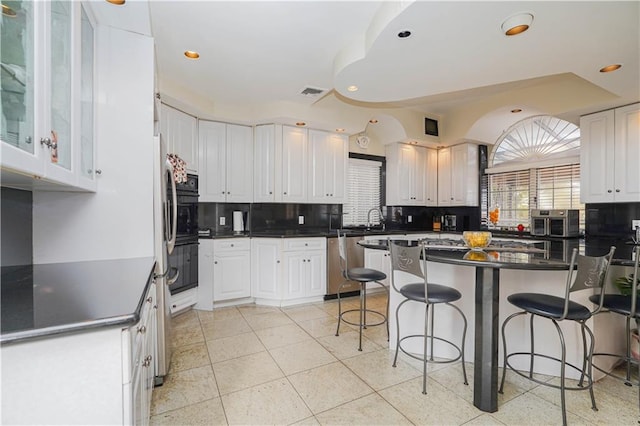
179,168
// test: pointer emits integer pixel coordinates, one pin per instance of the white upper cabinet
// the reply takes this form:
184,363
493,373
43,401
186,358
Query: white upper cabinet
406,175
295,151
179,131
294,165
458,175
431,176
327,166
226,162
610,155
47,94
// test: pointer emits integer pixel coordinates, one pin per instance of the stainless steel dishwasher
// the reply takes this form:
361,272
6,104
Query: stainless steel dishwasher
355,254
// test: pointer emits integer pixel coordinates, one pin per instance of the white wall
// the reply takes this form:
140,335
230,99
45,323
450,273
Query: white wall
117,221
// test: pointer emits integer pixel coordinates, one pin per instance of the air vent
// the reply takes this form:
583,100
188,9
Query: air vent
312,92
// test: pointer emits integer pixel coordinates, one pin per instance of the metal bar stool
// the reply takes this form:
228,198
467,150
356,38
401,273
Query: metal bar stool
408,260
363,276
625,305
585,272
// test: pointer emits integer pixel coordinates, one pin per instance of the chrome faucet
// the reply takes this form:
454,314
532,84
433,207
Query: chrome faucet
379,211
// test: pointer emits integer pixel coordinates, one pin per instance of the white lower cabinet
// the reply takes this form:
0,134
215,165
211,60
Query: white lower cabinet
231,269
100,376
224,271
142,356
305,266
286,271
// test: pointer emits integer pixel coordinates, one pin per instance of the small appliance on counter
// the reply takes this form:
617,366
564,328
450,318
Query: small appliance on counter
449,222
238,221
555,223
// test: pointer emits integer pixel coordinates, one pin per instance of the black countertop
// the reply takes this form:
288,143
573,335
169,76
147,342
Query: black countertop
543,255
47,299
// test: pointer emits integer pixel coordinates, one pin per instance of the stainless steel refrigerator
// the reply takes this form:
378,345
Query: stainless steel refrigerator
164,222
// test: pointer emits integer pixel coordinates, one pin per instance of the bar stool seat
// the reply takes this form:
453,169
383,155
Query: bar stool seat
364,275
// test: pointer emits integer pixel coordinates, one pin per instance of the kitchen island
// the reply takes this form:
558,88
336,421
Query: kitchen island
78,342
531,268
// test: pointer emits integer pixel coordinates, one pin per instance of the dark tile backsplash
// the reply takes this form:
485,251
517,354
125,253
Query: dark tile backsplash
467,218
610,219
278,216
209,215
16,227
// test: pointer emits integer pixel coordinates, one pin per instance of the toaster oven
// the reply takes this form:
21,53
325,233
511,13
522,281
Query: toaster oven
555,223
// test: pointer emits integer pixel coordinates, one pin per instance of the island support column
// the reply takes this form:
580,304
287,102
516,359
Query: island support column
485,388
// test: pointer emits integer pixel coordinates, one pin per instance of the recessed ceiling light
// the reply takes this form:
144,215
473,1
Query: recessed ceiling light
191,54
340,130
301,123
517,24
7,11
404,34
117,2
612,67
373,121
352,88
516,110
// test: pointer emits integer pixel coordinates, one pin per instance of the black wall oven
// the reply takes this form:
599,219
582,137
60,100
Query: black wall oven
185,253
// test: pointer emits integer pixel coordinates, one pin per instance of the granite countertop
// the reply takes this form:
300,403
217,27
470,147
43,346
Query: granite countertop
47,299
550,254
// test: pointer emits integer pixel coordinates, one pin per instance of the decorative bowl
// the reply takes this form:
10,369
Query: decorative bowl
476,240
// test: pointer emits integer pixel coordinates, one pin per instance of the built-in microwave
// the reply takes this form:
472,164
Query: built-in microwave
555,223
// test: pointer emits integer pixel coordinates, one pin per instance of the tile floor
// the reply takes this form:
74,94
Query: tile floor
255,365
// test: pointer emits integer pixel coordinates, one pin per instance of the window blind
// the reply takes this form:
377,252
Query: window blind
509,192
363,192
516,192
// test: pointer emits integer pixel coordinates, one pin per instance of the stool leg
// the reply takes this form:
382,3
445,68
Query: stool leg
363,302
388,300
628,328
395,358
364,305
339,311
532,343
424,354
562,373
589,367
433,308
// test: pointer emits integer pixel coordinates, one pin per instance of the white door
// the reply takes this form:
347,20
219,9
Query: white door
431,178
239,164
266,268
316,273
597,157
444,177
265,164
231,275
294,164
627,154
213,152
295,274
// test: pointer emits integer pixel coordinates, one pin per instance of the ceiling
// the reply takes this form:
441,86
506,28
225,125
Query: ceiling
262,53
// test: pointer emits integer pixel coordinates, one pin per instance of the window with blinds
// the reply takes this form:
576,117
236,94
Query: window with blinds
510,192
516,193
363,192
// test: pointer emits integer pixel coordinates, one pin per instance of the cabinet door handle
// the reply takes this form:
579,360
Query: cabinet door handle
617,190
222,192
149,299
142,329
270,192
46,142
285,193
277,261
231,245
609,191
215,263
228,193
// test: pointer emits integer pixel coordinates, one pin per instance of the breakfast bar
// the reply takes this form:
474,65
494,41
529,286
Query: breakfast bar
525,261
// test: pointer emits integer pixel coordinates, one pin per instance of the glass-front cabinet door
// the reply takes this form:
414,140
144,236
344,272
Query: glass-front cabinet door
86,97
17,83
47,91
57,133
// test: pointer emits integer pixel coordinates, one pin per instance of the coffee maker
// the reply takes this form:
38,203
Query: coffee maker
449,222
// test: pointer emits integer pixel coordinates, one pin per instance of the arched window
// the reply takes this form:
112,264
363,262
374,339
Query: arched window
535,164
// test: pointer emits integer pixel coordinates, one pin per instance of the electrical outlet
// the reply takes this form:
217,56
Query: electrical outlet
223,220
409,219
635,223
300,220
